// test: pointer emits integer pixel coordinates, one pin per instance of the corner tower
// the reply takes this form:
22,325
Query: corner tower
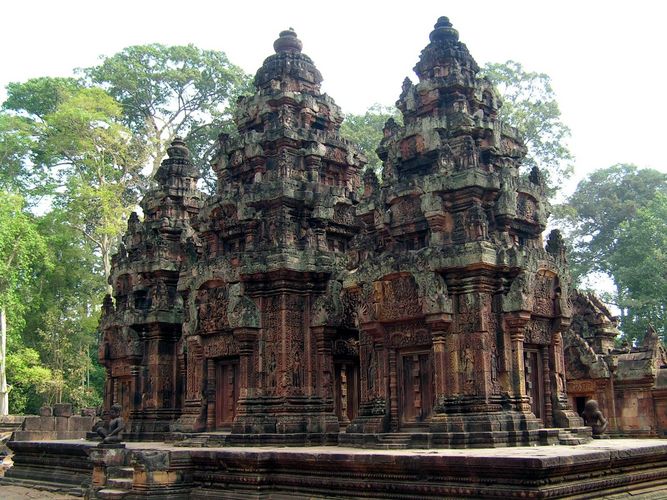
141,332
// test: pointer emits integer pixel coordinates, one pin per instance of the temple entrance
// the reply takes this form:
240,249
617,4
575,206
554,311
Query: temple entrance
346,390
415,387
227,392
535,380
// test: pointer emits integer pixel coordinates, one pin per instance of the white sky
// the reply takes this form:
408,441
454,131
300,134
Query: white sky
606,58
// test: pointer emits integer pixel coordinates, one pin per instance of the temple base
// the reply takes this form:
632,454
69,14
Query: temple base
600,468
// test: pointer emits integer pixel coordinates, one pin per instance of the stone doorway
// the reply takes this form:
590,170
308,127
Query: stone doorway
346,390
227,392
534,368
415,388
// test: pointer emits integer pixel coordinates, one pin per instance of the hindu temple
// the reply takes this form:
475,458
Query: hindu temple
309,301
303,303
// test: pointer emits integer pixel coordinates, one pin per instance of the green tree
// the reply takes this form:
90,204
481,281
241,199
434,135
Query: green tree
91,160
62,324
21,247
602,202
365,131
616,224
38,97
639,264
16,144
21,122
169,91
529,104
29,380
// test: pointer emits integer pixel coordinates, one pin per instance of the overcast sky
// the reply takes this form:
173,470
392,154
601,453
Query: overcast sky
606,58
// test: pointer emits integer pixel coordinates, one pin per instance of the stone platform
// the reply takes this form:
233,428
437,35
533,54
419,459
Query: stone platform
610,468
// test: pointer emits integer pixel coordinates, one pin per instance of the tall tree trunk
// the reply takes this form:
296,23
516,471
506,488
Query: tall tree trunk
4,399
105,250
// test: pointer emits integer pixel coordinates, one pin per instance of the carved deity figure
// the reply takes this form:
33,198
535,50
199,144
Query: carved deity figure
113,432
593,417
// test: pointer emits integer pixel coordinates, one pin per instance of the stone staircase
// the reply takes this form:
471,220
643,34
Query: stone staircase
118,484
574,436
394,441
203,440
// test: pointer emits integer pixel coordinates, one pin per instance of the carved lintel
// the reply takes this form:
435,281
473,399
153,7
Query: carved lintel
439,322
246,337
516,322
323,337
375,330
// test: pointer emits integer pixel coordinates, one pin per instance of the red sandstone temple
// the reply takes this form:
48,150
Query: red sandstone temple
308,302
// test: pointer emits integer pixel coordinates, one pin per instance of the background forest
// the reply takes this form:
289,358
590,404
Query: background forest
76,155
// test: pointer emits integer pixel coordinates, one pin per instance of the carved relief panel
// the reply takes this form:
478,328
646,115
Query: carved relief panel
270,352
211,306
406,210
397,298
544,287
194,370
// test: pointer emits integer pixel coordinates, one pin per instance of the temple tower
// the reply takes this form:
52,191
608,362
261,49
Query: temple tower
142,330
272,240
460,307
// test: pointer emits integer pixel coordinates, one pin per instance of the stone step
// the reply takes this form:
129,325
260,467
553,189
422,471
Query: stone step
120,483
193,442
393,446
121,472
394,438
111,493
567,438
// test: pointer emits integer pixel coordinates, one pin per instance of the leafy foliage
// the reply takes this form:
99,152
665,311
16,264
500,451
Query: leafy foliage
617,219
602,202
28,379
92,161
168,91
639,264
21,248
365,131
76,149
530,105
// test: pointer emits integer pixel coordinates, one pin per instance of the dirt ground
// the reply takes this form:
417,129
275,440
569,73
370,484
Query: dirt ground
10,492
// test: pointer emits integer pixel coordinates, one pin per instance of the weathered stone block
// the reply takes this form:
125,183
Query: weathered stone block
62,410
61,424
46,411
81,424
39,424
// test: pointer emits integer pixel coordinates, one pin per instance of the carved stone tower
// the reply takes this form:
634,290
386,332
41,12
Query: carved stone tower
460,307
272,237
141,332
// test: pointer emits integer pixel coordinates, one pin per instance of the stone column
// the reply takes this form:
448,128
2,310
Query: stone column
210,394
135,370
443,379
548,408
516,323
246,338
325,375
344,420
393,389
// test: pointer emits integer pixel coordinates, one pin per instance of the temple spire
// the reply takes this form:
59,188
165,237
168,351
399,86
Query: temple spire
443,31
287,42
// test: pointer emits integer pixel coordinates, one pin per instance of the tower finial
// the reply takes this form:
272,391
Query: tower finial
287,42
443,31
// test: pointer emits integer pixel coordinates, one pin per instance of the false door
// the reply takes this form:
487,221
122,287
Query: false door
416,388
227,390
535,380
